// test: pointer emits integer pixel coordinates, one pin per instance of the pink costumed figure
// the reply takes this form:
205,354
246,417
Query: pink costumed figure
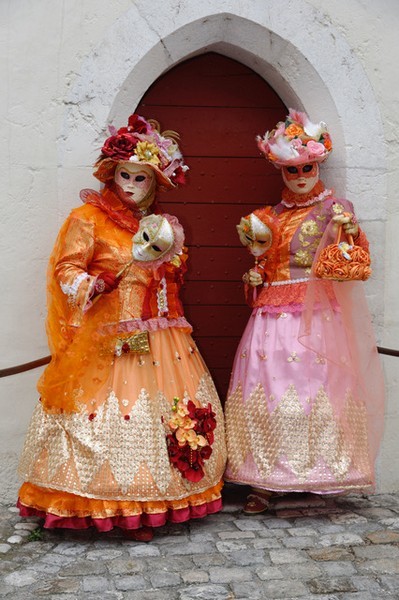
305,409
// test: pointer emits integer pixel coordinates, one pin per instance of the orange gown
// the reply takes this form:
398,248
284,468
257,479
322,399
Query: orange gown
95,452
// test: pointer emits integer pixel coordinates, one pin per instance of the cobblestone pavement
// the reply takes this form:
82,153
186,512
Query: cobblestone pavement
347,549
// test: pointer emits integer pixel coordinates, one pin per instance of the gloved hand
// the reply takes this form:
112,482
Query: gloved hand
252,278
106,283
349,223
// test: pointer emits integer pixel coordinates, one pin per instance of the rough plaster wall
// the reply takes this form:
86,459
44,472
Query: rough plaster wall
371,29
37,71
52,88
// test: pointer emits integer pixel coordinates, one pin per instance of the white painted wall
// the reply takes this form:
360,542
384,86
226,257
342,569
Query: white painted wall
336,59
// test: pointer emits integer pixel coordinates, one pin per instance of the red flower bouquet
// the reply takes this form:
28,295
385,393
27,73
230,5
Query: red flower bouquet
189,444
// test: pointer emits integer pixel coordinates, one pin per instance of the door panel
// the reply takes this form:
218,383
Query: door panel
233,180
203,229
218,106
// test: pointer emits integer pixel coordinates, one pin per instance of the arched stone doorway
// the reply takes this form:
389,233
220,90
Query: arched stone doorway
148,40
218,106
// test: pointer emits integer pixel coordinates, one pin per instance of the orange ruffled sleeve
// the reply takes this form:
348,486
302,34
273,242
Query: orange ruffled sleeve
75,248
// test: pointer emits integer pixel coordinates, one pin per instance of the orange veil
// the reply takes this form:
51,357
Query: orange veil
82,353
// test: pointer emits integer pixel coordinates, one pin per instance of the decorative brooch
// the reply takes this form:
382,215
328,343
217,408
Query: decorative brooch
137,343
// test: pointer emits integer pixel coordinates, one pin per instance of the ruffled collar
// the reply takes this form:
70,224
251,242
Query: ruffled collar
108,202
317,194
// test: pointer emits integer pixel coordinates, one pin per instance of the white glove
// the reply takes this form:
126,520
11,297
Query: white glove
349,223
252,278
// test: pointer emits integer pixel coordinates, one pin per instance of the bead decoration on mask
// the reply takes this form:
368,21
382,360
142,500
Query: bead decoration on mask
142,143
296,141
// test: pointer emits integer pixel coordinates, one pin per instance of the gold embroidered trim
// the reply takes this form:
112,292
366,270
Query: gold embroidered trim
319,448
237,436
116,456
308,486
260,428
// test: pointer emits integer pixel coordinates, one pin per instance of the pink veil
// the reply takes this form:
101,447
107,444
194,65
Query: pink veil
343,336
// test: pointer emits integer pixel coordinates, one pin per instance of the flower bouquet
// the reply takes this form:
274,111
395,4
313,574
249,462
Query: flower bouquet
189,444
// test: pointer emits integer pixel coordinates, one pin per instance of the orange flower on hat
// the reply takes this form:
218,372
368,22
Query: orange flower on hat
293,130
327,143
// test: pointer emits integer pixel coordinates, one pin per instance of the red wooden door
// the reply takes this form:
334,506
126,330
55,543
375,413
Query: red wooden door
218,106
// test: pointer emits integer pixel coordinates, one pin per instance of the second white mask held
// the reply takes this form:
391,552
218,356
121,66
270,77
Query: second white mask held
153,240
255,234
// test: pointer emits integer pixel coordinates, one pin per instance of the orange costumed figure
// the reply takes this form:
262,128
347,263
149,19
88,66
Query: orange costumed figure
129,429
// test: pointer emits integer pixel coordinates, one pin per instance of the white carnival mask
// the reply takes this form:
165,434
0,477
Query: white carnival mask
134,183
153,240
301,179
255,234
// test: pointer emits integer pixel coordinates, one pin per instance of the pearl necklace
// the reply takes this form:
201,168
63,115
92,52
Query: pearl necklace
309,202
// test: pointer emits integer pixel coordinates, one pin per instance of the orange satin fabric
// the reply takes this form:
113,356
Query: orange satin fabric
64,504
289,222
81,335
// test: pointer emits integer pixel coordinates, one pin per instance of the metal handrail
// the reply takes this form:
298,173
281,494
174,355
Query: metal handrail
34,364
388,351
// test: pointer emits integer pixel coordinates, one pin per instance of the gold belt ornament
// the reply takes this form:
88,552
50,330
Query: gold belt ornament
138,343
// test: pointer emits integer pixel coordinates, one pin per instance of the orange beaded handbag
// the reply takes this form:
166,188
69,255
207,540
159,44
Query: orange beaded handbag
343,261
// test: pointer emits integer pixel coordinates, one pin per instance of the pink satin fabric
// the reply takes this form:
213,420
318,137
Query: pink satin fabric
306,366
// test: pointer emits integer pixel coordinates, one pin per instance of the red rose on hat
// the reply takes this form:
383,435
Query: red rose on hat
120,147
138,124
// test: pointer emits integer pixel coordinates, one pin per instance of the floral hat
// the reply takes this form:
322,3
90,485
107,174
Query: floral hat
141,142
296,141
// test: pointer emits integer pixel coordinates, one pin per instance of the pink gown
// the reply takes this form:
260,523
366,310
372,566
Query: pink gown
305,401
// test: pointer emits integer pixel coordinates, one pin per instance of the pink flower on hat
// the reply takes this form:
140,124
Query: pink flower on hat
280,129
297,144
297,116
316,148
